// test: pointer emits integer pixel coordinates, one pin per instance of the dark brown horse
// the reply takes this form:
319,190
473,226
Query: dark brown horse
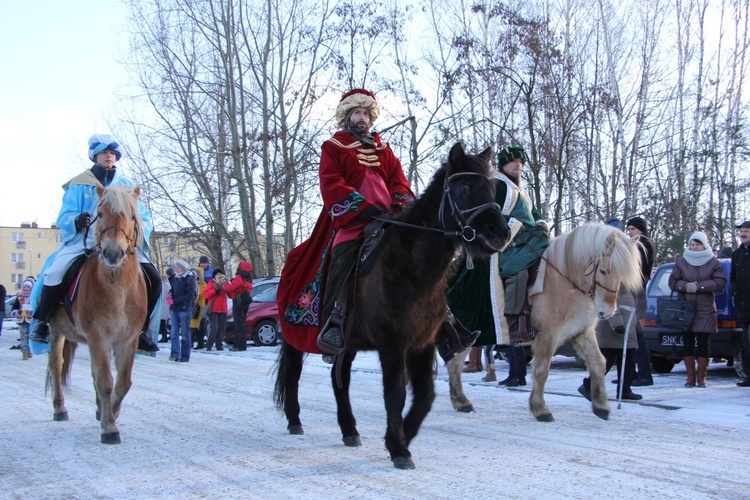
109,311
400,304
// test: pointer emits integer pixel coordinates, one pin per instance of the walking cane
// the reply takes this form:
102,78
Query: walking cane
624,354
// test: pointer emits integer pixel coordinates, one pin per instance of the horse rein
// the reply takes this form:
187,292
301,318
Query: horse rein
466,231
595,261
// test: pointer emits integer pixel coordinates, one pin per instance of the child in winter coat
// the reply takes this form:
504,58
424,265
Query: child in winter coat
22,312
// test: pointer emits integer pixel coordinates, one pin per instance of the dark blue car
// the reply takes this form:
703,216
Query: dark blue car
666,346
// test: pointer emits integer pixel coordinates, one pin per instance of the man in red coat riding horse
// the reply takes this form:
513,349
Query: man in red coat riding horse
360,178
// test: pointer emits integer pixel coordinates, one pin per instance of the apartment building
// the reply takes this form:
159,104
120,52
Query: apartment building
23,250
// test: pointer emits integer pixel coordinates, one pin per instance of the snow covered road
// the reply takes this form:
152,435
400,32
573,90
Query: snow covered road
209,429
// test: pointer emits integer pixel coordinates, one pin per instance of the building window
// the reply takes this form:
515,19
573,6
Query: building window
39,235
17,237
16,279
16,257
58,238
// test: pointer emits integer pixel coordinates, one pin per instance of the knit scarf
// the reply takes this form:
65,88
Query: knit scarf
697,259
103,175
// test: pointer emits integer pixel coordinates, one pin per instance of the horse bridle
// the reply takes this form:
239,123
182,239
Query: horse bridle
595,261
466,230
592,290
94,252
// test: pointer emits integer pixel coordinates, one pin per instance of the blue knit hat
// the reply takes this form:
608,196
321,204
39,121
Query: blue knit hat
103,142
614,222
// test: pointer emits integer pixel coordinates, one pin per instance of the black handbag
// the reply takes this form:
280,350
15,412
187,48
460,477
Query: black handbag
675,313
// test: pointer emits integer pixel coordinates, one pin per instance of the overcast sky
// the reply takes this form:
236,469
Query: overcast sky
60,73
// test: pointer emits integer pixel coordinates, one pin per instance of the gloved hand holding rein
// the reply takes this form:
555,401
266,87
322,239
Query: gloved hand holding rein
82,221
371,211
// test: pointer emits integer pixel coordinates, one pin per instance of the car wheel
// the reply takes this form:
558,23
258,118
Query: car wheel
265,333
661,365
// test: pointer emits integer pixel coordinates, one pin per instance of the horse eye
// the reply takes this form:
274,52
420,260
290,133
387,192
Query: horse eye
604,273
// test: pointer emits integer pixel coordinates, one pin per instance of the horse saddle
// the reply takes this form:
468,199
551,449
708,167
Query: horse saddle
71,281
374,232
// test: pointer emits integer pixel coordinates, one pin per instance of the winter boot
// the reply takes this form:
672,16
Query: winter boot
702,372
145,343
490,377
475,361
47,302
690,367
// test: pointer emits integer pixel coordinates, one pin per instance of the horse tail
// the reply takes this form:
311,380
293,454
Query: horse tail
69,353
288,370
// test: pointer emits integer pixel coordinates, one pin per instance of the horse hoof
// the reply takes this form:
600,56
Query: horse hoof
111,438
60,417
296,430
603,414
466,408
404,463
545,417
352,441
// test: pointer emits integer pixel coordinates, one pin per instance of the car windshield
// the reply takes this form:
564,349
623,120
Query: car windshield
267,295
660,283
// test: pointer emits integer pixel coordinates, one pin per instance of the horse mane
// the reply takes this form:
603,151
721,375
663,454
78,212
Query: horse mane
122,200
573,252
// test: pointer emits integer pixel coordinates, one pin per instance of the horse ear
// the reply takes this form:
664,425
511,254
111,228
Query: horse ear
99,190
486,155
457,154
609,244
137,191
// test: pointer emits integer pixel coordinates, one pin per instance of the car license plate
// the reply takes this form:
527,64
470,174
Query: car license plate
672,340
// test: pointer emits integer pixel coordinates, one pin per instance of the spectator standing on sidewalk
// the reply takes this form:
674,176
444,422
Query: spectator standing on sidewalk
637,229
739,278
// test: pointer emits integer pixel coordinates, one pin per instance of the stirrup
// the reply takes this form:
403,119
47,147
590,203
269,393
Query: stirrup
331,340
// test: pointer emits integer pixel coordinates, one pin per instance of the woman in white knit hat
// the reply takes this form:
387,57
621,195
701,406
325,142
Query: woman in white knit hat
696,276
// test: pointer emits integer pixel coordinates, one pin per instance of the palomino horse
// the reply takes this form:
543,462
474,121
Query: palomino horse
109,310
584,271
400,304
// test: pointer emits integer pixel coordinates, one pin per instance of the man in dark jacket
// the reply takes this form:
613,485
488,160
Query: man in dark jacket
638,230
739,278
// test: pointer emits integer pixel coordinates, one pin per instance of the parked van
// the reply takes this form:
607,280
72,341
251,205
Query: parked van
666,346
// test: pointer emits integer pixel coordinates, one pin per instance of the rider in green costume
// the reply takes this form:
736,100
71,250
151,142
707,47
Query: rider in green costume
476,296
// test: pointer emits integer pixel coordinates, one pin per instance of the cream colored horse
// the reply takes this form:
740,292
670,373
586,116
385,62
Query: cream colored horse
584,271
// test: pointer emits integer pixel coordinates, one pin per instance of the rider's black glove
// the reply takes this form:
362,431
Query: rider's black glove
620,329
83,220
371,211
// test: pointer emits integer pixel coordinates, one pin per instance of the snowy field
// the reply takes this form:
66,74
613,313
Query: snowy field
209,429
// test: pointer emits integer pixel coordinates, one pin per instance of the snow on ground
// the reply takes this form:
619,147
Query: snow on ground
209,429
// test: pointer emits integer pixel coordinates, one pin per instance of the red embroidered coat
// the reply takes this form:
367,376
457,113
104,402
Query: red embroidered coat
343,164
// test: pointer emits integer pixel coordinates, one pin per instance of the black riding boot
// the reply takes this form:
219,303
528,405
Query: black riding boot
47,303
153,290
331,338
453,337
